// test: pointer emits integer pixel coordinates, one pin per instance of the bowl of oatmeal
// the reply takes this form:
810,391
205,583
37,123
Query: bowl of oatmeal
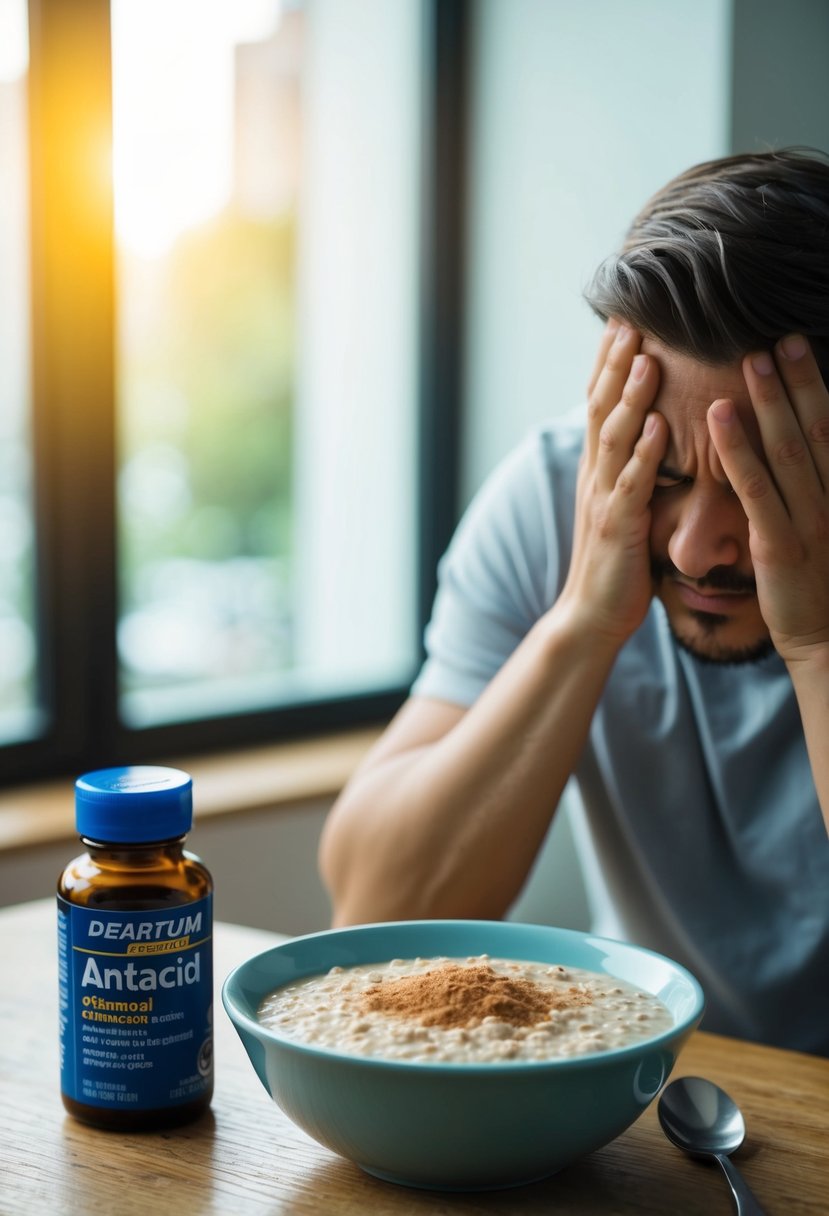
462,1054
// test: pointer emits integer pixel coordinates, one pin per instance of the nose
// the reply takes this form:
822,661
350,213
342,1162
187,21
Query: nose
710,530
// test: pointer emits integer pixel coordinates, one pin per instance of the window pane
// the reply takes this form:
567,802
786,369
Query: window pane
19,716
265,176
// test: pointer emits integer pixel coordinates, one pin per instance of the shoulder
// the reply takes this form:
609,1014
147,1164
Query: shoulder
549,452
531,488
504,566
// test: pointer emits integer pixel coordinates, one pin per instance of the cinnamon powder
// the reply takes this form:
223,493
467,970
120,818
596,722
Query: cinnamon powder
455,995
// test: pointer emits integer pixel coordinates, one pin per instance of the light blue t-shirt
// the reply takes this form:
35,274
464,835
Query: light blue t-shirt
700,832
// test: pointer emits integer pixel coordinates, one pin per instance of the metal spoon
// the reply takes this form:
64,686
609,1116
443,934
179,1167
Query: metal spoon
700,1118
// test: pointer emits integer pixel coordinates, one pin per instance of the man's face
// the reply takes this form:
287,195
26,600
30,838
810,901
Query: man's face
699,533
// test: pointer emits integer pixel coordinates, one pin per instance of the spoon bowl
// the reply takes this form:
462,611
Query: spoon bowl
700,1118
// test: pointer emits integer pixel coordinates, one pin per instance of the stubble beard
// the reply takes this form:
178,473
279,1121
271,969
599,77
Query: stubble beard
704,643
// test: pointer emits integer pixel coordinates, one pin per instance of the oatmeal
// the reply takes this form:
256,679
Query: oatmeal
474,1010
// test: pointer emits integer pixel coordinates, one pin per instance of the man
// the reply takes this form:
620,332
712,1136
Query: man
641,599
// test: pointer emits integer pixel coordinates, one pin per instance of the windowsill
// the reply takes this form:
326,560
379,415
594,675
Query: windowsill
226,783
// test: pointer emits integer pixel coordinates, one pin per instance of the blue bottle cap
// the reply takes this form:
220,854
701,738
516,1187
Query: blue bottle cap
134,805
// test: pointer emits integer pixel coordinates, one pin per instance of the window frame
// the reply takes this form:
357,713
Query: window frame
73,381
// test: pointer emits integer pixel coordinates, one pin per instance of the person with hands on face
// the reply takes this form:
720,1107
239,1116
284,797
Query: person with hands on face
639,599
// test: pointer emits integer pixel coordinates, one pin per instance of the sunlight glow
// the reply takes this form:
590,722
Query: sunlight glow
173,112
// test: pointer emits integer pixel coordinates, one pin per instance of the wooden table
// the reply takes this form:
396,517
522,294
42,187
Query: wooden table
247,1157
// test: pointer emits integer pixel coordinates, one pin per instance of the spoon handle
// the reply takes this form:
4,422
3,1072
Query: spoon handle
746,1204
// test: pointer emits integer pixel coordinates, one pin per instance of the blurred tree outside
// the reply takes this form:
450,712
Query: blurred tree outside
207,384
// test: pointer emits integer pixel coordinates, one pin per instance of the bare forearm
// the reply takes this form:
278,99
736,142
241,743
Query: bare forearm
452,829
811,685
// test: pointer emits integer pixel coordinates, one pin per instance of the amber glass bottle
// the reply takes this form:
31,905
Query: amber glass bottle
135,956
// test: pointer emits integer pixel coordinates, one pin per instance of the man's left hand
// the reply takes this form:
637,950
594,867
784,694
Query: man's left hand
782,481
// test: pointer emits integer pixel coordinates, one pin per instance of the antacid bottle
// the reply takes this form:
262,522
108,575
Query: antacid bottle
135,955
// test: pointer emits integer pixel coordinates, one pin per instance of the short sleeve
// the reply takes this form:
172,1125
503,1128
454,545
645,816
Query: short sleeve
504,566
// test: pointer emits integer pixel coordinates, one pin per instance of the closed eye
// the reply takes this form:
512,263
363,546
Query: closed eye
670,479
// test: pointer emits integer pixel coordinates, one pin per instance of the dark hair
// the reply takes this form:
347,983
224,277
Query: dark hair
728,257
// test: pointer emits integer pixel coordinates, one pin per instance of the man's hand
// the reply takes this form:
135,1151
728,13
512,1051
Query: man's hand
782,481
609,587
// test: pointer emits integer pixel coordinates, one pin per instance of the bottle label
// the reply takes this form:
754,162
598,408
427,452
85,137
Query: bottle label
136,1005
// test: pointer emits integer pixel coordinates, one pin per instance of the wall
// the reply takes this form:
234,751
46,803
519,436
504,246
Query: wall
580,112
780,82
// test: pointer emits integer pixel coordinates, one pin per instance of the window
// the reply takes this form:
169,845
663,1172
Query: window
228,462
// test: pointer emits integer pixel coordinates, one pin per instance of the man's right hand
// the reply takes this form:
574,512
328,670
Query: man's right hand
609,587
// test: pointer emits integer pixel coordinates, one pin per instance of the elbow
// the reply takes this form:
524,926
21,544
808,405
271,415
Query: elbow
362,888
372,875
332,867
346,864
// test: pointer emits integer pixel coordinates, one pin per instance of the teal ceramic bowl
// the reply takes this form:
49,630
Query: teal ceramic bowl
460,1126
